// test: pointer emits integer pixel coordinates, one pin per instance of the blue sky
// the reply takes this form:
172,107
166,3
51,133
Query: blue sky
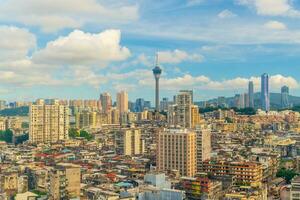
80,48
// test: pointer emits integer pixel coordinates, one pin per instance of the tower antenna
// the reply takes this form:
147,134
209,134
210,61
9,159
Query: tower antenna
156,59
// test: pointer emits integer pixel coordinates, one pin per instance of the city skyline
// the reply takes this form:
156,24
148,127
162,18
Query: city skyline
149,100
57,60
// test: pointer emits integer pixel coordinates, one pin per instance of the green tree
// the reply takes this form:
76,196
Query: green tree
86,135
73,133
287,174
22,138
6,136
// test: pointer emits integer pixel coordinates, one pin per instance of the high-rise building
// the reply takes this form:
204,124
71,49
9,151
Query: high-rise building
189,92
285,97
251,94
164,104
114,116
147,104
195,116
222,102
48,123
86,119
246,100
203,145
176,150
139,105
157,72
265,94
65,181
122,102
129,142
183,113
106,102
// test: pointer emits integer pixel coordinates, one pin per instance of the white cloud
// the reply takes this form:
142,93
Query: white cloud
226,14
144,60
275,25
69,60
15,43
272,7
79,48
206,83
52,15
178,56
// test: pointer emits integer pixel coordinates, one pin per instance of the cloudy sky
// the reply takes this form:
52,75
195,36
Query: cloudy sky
80,48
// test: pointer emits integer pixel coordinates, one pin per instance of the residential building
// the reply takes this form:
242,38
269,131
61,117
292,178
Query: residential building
176,150
65,181
106,102
295,188
86,119
128,142
183,113
48,123
122,102
203,145
241,173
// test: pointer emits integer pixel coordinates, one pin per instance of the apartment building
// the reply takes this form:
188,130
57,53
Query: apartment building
176,150
48,123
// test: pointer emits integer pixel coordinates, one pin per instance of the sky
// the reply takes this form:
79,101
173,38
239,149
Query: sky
77,49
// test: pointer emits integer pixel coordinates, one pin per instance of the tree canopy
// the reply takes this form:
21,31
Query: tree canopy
287,174
73,133
6,136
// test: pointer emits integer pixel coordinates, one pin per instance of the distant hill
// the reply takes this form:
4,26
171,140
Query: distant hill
20,111
275,100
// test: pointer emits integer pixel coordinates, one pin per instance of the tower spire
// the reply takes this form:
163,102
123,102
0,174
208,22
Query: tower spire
156,59
156,72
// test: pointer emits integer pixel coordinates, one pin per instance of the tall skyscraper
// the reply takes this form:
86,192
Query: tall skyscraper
176,149
48,123
251,94
164,104
106,102
157,72
240,100
139,105
285,97
265,94
122,102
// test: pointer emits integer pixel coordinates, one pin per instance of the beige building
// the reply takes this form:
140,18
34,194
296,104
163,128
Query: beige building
195,116
122,102
203,145
128,141
2,124
48,123
86,119
114,116
295,188
106,102
176,150
183,113
9,183
65,182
